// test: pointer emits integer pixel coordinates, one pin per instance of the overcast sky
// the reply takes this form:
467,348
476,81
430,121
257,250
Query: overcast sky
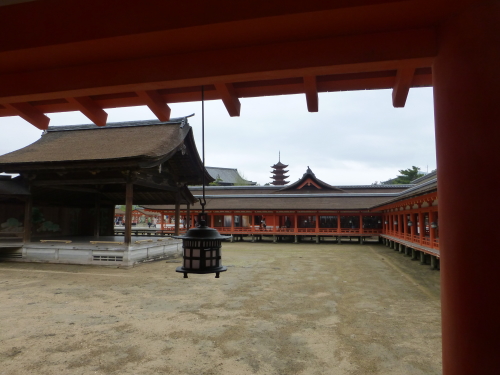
356,137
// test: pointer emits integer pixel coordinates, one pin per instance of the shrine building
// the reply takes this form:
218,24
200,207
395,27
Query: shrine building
404,217
61,207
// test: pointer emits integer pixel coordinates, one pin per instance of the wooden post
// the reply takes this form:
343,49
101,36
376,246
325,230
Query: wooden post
177,215
28,205
161,219
432,231
421,226
97,216
188,216
339,230
360,223
405,225
412,229
465,82
129,198
296,220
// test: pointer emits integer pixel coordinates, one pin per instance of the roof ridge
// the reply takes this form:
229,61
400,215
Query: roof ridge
119,124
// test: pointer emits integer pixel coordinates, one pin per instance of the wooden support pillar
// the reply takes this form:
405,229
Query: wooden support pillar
339,228
129,198
177,216
188,216
434,262
162,219
413,254
97,218
421,227
423,257
432,231
28,212
412,228
360,223
405,224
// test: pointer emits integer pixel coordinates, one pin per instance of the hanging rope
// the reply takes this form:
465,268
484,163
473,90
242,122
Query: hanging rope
203,201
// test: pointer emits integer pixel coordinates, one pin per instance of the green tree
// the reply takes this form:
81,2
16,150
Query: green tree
216,182
407,175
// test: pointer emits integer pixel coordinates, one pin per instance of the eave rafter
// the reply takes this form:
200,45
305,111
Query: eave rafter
156,104
229,98
90,109
404,79
311,90
29,113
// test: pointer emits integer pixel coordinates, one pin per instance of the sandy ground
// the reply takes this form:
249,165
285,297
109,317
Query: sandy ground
280,309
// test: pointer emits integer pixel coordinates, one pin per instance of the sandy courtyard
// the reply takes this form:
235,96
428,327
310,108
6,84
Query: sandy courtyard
280,309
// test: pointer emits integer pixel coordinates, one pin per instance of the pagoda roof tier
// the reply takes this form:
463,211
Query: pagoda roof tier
279,165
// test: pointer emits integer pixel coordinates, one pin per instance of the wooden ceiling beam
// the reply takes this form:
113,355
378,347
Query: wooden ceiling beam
404,79
31,114
156,104
229,98
317,57
311,90
90,109
366,81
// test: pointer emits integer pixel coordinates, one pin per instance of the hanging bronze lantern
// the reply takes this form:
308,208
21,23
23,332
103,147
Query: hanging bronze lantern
202,245
201,250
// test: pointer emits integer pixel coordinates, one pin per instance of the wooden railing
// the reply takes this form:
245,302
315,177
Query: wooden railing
421,240
269,230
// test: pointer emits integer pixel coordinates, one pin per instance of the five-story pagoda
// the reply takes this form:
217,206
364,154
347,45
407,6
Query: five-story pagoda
279,173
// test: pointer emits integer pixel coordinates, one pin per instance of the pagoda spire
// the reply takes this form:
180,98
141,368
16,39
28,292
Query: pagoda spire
279,172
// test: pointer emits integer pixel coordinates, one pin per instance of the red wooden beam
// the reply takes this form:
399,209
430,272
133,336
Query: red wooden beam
289,86
90,109
156,104
311,90
31,114
270,61
229,98
402,86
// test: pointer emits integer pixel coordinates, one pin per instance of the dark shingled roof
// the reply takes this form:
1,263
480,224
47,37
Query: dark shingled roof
294,188
422,188
115,141
317,202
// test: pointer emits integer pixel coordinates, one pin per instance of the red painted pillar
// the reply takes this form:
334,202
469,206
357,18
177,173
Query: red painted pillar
414,224
421,227
360,223
339,228
466,95
405,225
432,231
